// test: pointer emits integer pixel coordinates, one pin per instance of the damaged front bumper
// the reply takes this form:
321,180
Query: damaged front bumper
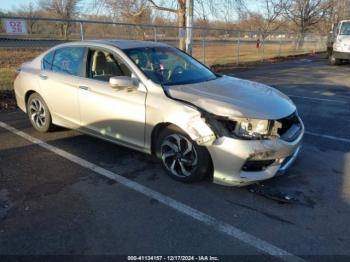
242,162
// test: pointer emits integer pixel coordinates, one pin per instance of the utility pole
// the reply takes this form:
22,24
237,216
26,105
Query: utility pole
189,25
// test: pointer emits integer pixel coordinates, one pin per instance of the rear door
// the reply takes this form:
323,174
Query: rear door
59,81
114,113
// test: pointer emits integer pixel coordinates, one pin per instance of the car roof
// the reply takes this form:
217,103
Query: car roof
126,44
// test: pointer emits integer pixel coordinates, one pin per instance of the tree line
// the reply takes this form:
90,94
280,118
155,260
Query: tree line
267,16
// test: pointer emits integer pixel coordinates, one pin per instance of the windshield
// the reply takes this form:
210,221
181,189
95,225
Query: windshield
345,28
169,66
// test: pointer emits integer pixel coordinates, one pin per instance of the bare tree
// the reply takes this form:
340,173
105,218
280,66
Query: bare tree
30,11
140,11
64,9
305,14
135,11
227,10
180,12
340,10
216,7
201,10
269,17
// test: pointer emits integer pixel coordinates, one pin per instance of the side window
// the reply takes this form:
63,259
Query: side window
345,28
144,62
68,60
103,65
47,61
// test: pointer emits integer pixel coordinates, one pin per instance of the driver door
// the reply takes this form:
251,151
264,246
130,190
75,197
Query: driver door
116,114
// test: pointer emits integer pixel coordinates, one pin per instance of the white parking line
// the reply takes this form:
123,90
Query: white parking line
328,137
319,99
216,224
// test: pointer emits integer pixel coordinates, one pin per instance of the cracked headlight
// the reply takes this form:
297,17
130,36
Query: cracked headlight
248,128
252,128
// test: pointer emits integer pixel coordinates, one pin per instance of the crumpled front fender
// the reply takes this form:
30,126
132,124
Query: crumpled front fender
191,121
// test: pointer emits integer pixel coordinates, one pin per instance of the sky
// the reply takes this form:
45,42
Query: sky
8,4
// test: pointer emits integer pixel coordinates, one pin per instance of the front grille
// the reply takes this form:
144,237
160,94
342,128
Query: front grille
257,165
291,127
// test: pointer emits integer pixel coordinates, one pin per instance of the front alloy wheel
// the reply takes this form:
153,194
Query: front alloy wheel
181,157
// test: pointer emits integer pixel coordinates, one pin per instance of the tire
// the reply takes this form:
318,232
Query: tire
181,157
333,60
39,114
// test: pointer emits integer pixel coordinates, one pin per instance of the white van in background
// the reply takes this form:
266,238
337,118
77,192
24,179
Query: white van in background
338,46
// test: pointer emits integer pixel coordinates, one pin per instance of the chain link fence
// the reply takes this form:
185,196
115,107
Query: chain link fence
211,46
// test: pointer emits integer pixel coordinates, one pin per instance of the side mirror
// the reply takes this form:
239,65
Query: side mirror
122,81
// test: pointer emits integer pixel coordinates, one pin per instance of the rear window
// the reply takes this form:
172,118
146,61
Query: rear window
68,60
47,61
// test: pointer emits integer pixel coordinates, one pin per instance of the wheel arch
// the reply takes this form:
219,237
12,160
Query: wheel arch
156,131
28,94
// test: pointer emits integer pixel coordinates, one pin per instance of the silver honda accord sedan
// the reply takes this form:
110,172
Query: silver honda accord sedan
157,99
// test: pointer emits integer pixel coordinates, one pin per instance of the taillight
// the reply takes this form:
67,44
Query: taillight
18,70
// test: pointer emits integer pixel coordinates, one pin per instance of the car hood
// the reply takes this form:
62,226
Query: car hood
344,38
234,97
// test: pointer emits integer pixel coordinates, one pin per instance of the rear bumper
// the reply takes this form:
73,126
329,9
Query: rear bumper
19,93
230,155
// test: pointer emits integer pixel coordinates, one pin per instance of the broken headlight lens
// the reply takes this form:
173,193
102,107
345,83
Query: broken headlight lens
252,128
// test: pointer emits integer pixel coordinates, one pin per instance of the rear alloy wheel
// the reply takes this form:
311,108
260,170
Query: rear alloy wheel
38,113
182,158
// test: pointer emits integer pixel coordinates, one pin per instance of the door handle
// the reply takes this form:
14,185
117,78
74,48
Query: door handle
84,87
43,77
